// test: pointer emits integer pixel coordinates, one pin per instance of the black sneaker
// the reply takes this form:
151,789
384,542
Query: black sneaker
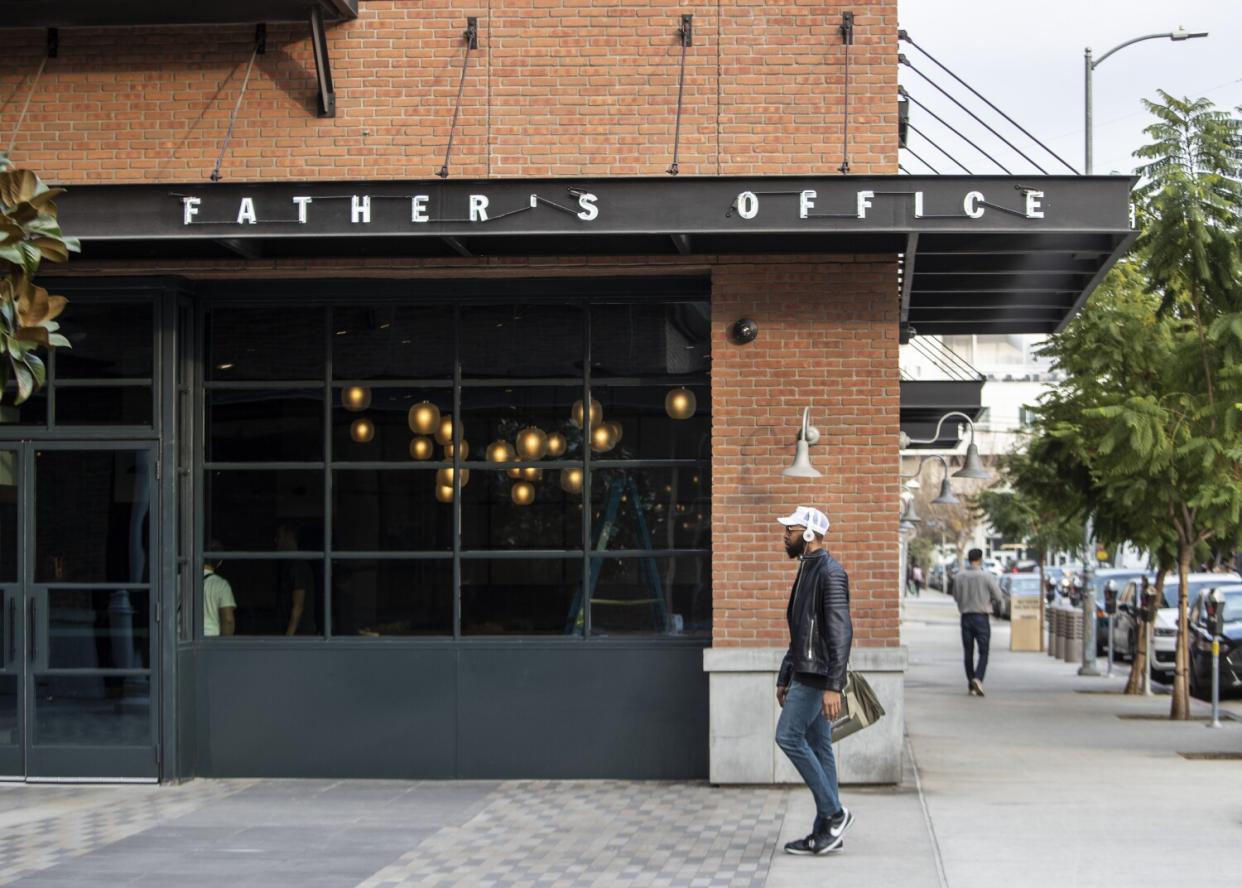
839,825
816,844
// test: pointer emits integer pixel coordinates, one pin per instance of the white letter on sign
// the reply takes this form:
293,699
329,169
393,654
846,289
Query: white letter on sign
806,201
360,210
1034,209
864,201
972,205
191,208
590,212
245,213
747,205
478,208
301,202
418,208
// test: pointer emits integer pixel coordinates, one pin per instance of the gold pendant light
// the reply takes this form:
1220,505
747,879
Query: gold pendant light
680,403
355,398
532,443
615,427
601,438
444,432
597,413
444,477
523,493
450,447
424,418
571,480
362,430
500,452
444,494
532,473
556,444
421,448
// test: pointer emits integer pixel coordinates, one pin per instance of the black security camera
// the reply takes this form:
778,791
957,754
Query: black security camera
744,331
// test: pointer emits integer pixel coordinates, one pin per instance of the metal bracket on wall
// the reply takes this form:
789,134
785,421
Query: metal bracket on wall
686,34
323,66
847,38
260,47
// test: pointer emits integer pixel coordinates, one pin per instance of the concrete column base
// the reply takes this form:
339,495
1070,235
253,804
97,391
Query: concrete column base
743,715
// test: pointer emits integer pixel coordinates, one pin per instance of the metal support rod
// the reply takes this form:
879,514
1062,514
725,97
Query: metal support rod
323,67
847,38
1110,644
686,34
471,36
26,105
260,44
1088,66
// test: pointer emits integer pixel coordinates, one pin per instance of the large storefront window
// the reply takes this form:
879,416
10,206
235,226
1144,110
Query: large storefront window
476,468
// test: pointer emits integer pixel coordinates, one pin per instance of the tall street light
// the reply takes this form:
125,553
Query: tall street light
1090,65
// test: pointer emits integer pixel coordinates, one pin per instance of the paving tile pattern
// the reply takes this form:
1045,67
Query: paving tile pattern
41,826
543,834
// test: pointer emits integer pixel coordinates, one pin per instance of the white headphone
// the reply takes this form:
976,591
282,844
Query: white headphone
808,534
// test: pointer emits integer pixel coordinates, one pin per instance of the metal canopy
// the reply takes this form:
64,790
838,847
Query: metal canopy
979,254
111,13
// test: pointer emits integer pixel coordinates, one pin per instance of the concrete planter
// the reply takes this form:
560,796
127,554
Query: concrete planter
743,715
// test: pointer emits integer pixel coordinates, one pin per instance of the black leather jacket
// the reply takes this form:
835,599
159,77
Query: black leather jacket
820,631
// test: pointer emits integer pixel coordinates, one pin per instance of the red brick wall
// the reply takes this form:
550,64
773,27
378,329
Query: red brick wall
557,88
827,340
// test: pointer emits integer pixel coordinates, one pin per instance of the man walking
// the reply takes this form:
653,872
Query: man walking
812,675
974,590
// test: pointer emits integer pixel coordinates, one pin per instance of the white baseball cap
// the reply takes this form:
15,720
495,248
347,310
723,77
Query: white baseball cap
805,516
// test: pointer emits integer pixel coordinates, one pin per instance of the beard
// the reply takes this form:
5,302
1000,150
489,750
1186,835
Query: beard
796,548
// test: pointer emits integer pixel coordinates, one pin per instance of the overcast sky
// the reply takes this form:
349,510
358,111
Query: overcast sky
1027,58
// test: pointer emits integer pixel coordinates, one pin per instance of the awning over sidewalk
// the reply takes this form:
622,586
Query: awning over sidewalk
111,13
980,254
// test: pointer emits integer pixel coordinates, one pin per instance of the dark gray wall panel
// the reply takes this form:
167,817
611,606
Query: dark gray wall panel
186,713
325,711
583,711
525,709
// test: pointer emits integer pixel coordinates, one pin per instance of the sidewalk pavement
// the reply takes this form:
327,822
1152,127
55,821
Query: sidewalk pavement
1051,780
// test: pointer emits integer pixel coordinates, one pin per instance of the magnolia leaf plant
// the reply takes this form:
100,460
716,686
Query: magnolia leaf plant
29,234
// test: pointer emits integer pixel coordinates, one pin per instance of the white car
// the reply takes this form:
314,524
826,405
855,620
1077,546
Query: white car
1164,631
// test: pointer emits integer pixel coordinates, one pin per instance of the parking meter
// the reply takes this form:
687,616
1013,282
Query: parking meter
1110,598
1215,607
1151,604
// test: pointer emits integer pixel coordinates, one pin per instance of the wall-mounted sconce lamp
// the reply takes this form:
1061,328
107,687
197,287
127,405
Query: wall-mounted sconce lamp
972,467
807,435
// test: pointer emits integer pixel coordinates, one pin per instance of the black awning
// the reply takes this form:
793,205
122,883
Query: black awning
980,254
110,13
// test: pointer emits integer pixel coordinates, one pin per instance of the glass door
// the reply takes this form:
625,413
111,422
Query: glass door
12,620
83,612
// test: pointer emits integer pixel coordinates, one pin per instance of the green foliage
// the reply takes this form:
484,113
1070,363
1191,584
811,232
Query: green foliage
29,234
1035,503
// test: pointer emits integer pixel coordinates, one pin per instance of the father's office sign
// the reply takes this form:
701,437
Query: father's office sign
684,206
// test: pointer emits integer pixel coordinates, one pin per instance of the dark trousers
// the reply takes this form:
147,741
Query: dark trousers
976,630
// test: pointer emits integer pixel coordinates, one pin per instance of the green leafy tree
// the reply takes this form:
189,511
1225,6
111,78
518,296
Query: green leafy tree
29,234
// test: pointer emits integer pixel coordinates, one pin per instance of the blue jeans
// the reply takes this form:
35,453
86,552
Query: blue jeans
805,735
976,632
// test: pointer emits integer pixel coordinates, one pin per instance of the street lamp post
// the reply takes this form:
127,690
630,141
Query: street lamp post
1090,64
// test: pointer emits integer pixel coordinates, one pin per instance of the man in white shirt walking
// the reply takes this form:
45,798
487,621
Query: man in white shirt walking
219,606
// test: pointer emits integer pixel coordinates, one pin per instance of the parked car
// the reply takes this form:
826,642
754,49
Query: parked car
1100,581
1230,646
935,577
1019,585
1164,632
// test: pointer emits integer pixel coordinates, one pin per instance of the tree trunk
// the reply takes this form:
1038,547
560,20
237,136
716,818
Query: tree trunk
1138,659
1180,707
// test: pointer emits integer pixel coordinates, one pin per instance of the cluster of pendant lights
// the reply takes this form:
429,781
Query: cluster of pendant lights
430,427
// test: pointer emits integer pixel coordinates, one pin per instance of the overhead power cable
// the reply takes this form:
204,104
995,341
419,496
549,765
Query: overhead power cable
927,139
902,91
902,35
901,58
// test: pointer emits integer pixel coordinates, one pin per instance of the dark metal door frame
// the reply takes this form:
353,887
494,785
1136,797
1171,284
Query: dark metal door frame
28,637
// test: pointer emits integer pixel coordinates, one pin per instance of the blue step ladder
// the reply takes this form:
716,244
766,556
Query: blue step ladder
621,488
